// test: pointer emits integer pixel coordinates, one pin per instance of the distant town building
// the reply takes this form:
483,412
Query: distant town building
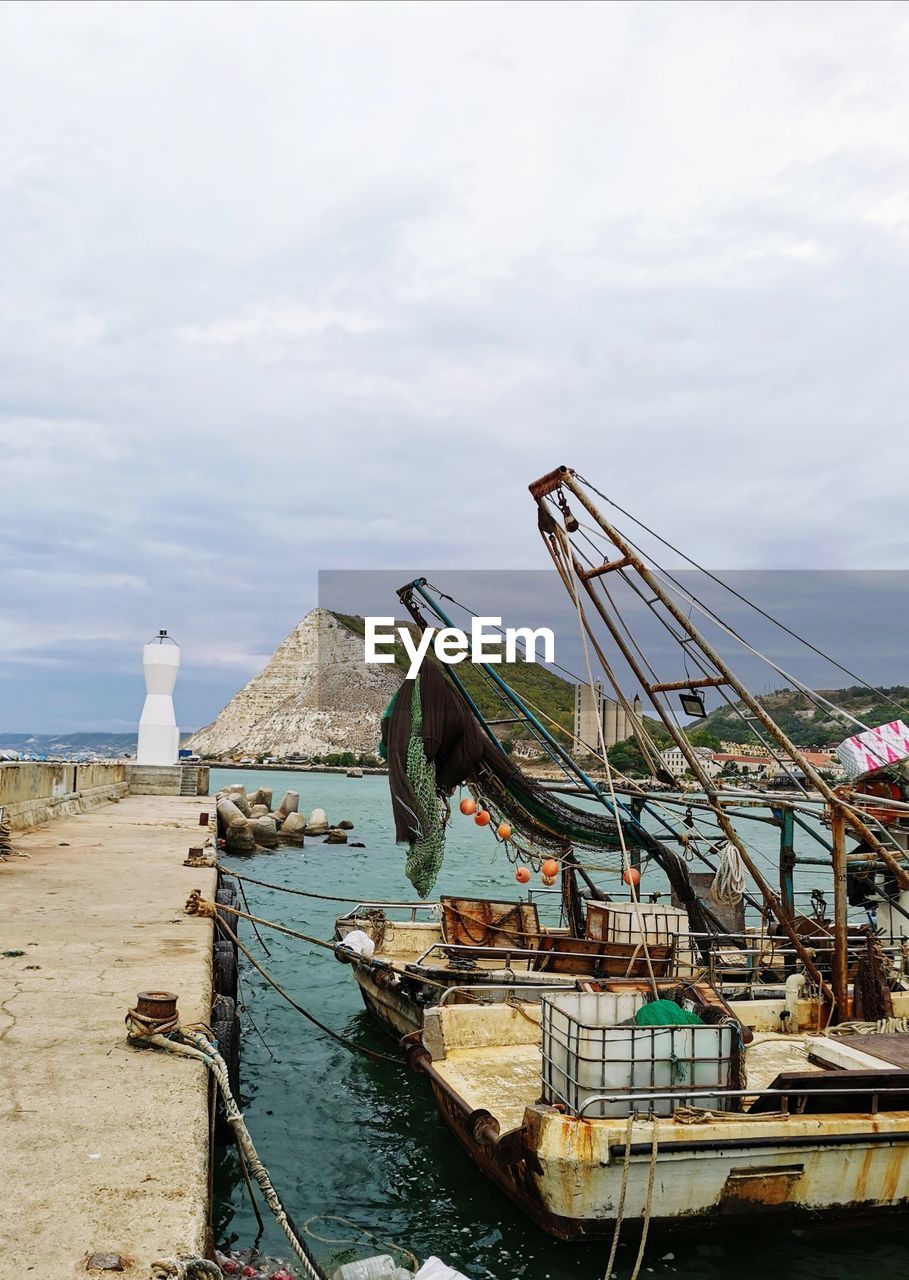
757,765
675,761
751,749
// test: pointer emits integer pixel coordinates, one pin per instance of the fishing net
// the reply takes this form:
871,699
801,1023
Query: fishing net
434,743
872,1000
427,845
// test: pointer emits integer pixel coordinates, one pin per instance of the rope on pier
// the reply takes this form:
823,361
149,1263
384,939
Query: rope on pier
189,1267
191,1042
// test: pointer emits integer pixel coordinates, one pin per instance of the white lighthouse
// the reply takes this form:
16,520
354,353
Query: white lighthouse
159,737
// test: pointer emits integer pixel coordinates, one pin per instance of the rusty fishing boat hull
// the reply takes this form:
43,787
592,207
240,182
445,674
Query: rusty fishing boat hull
567,1173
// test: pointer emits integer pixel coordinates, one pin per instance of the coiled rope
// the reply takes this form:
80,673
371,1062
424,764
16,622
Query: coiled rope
729,882
198,1043
884,1026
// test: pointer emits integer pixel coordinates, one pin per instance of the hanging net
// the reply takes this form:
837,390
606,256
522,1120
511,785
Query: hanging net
434,743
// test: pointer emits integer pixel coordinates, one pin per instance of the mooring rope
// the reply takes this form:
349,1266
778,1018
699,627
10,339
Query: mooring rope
620,1207
197,905
304,893
191,1043
648,1203
367,1235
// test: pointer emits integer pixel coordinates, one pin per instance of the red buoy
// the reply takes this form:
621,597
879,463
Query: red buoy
550,868
631,875
522,875
482,818
503,830
468,805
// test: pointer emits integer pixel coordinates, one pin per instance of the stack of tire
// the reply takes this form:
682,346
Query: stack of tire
225,1020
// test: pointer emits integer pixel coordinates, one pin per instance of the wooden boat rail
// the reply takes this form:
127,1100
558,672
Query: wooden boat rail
532,955
412,907
747,947
486,993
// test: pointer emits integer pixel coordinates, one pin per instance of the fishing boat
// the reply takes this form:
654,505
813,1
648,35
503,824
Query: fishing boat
740,1071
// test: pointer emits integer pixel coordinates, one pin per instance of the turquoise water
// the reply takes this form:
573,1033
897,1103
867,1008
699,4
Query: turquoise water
344,1135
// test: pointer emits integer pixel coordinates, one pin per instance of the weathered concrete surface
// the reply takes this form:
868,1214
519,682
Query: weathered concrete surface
32,792
105,1147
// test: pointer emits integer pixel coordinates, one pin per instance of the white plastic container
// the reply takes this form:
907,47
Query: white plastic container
662,926
381,1267
586,1054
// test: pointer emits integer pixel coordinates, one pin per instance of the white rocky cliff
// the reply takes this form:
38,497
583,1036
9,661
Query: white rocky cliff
316,695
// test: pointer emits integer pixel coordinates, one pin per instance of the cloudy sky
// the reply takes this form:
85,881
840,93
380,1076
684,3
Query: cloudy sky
298,287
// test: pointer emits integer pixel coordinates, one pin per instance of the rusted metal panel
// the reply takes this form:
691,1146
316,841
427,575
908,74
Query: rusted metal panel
599,959
482,922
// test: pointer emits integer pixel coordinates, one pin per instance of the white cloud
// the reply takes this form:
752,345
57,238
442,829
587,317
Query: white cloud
294,286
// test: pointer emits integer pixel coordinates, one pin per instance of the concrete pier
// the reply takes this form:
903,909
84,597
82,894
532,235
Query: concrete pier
105,1146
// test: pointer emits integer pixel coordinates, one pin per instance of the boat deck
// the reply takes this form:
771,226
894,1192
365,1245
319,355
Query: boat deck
770,1054
504,1081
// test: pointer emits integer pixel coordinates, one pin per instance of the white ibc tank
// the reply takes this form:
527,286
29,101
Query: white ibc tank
159,737
588,1049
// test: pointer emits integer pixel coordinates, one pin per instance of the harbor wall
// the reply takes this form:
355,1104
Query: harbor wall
32,792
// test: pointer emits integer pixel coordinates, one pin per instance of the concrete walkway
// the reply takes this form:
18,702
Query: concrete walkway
104,1147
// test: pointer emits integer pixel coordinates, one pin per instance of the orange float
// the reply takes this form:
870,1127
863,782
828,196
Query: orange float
468,805
631,875
522,875
503,830
550,868
482,818
549,881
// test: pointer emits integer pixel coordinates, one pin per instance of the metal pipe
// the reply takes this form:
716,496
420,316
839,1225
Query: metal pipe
795,1092
681,741
734,683
840,979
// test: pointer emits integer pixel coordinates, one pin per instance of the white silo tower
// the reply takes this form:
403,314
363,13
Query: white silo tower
159,737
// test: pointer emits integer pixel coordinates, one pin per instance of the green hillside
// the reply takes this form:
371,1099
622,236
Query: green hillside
806,724
536,684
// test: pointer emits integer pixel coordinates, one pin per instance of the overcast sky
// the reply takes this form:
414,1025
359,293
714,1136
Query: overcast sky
296,287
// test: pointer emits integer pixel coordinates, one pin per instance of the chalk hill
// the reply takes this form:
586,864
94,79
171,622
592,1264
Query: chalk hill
315,696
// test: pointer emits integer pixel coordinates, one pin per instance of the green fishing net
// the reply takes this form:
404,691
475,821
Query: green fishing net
424,858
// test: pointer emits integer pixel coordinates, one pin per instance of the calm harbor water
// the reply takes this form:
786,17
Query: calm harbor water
344,1135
